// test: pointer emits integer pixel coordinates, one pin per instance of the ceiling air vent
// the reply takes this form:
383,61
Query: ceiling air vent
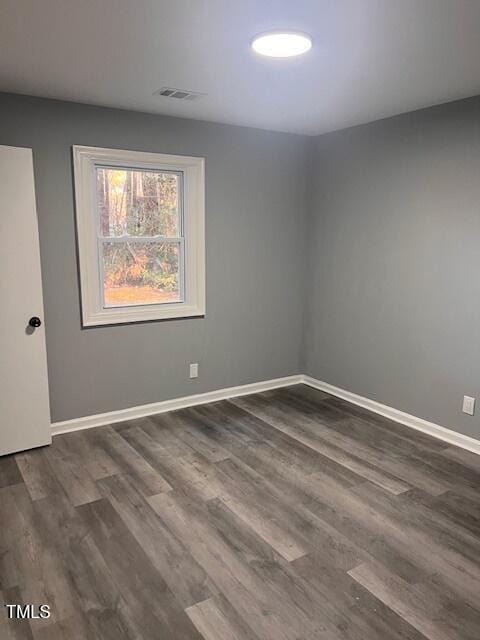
178,94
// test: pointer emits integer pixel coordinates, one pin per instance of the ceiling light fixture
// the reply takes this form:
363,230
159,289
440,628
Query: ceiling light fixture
281,44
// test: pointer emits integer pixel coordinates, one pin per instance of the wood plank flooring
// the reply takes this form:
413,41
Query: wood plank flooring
285,515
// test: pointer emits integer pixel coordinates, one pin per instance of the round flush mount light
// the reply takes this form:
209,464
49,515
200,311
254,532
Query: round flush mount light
281,44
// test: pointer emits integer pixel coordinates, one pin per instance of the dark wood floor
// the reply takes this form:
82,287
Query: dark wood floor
287,515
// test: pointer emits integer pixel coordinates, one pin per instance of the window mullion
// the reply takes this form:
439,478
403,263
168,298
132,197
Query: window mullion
145,239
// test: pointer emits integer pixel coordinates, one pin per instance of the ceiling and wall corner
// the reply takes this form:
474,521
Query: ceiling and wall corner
371,59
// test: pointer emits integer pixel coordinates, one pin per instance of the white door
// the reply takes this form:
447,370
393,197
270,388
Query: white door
24,406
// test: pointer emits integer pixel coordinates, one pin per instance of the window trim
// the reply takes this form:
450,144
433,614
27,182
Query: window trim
85,160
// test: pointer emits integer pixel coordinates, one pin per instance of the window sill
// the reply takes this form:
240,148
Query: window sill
135,314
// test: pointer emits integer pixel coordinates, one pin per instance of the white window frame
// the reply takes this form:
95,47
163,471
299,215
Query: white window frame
192,280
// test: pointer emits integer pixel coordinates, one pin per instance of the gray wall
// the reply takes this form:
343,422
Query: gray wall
256,204
393,309
385,301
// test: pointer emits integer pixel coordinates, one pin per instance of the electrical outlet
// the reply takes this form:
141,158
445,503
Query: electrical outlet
194,370
468,405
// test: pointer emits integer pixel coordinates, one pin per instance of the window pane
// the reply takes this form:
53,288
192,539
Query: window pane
141,273
138,203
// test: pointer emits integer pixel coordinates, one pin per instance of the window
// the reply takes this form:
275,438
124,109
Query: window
140,224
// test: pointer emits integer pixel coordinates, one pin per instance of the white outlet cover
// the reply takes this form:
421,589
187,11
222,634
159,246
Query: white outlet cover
194,370
468,405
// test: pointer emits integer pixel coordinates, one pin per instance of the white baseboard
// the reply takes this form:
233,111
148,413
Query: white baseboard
145,410
101,419
435,430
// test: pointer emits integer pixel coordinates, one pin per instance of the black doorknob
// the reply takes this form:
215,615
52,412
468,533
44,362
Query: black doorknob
34,321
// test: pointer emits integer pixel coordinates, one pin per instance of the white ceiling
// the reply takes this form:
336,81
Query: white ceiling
371,58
